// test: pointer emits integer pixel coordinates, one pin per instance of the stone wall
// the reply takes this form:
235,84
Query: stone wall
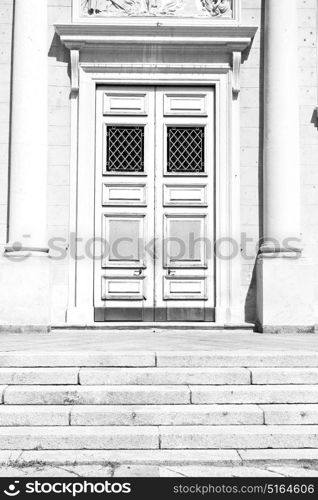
59,11
252,137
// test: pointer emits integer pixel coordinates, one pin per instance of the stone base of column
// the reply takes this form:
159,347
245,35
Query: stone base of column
25,292
285,294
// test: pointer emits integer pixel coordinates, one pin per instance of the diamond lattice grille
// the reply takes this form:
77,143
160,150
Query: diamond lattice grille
185,150
125,149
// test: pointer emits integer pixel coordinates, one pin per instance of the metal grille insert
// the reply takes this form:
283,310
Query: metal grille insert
125,149
186,150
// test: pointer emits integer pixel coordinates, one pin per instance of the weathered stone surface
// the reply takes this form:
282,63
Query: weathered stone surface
287,455
239,359
284,376
33,415
2,389
39,376
254,394
235,437
172,376
148,457
290,414
97,395
167,415
65,359
204,471
78,438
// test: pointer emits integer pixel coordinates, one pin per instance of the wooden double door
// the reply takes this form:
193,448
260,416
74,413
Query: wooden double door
154,204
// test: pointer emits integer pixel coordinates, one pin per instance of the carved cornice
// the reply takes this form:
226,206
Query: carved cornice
225,38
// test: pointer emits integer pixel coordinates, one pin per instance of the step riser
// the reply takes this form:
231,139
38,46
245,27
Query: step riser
158,376
100,438
115,395
165,376
130,415
159,415
39,376
154,395
159,359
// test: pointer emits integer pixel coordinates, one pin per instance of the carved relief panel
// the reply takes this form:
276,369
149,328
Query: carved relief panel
216,9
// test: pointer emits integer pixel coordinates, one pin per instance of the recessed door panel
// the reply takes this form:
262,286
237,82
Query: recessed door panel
154,204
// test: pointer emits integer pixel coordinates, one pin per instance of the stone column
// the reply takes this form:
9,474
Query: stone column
284,302
25,267
29,130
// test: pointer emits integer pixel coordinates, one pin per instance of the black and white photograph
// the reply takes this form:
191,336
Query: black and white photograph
159,248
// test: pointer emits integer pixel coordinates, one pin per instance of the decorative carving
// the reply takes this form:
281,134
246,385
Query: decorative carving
236,72
218,8
131,7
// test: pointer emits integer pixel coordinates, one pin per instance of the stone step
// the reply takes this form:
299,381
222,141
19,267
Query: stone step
162,395
34,415
163,376
41,415
235,437
170,437
79,438
290,414
172,359
266,394
238,358
167,415
284,376
52,359
39,376
96,395
158,376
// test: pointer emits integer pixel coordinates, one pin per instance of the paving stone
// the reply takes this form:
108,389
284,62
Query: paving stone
237,359
203,471
167,376
96,395
299,455
295,471
133,471
35,472
254,394
275,376
290,414
167,415
78,438
39,376
34,415
66,359
235,437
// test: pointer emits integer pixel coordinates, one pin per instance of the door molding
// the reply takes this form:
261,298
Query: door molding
93,71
